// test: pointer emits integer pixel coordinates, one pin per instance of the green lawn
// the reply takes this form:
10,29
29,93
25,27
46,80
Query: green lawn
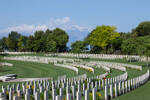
30,69
141,93
36,70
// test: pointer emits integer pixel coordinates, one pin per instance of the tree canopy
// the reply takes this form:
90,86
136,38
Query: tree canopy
142,29
12,40
138,46
102,36
48,41
78,47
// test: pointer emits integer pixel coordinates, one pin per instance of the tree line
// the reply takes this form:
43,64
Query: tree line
48,41
102,39
105,39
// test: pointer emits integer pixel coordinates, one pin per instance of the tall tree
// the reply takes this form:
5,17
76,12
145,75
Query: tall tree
50,43
115,45
3,45
51,46
142,29
30,43
138,46
22,42
12,40
61,38
129,46
38,41
102,36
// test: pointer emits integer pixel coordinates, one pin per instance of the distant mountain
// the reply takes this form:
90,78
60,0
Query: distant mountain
76,35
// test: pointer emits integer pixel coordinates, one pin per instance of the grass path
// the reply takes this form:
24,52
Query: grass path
30,69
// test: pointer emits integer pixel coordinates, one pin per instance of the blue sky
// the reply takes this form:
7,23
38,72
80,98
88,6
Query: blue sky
26,16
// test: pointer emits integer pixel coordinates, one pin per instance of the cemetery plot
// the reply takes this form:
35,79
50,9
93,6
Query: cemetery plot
56,78
70,88
102,56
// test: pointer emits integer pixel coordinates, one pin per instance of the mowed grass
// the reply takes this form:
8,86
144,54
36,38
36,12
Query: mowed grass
37,70
34,70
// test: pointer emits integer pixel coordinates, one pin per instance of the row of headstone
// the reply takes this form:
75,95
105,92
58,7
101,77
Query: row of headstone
62,83
31,88
119,66
72,91
100,56
17,53
125,86
42,59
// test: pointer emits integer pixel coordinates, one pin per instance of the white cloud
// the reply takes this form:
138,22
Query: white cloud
24,28
64,23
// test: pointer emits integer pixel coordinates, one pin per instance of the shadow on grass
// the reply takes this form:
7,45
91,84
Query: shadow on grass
3,54
5,70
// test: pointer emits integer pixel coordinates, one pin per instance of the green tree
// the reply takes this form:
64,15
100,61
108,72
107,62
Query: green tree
136,46
146,45
124,35
50,43
102,36
51,46
12,40
38,43
30,43
142,29
129,46
61,38
78,47
116,44
22,42
3,45
48,34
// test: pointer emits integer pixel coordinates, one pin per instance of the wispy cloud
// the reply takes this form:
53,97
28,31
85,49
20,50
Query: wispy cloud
65,23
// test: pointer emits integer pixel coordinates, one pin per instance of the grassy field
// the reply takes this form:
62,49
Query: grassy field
31,69
37,70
